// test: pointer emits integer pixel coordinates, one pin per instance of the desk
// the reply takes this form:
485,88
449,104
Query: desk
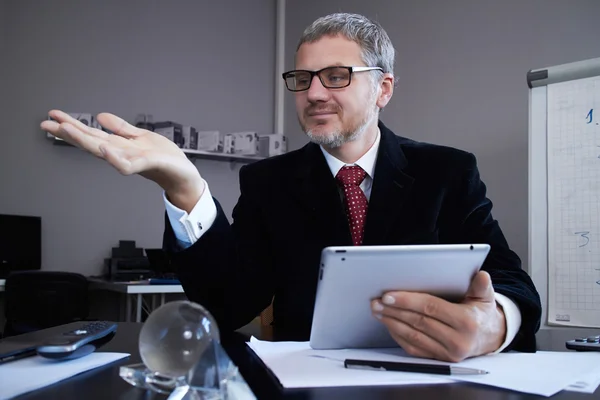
105,383
135,291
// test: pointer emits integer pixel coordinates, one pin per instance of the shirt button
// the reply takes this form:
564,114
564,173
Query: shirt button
200,225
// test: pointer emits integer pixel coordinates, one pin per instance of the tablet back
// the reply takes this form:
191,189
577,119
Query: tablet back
351,277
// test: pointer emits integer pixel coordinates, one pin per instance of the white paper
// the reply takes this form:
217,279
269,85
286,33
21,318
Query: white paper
573,198
544,372
35,372
296,365
588,384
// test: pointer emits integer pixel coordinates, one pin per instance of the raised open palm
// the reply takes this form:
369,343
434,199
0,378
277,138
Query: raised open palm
131,150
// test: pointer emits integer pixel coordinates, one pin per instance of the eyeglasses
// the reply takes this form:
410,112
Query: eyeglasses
331,77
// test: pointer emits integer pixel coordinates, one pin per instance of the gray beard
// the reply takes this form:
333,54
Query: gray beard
337,138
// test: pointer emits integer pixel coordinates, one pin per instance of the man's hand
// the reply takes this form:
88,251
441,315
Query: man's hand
429,327
133,150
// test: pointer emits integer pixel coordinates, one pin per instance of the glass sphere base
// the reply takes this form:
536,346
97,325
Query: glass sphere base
182,357
230,385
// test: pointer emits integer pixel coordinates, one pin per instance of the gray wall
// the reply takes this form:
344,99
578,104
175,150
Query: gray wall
461,67
3,63
197,63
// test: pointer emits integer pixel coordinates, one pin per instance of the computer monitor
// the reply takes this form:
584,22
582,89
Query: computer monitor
20,243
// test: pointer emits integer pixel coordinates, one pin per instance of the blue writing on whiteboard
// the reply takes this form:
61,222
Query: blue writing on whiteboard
590,116
584,234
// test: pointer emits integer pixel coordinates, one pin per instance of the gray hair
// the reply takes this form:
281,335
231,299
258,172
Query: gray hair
377,48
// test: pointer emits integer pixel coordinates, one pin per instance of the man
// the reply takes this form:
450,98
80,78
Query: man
294,205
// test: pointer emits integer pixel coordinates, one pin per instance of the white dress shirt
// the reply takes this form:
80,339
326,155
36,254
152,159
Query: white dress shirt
366,162
188,228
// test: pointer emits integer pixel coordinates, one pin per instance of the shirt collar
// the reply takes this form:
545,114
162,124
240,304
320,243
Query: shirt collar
366,162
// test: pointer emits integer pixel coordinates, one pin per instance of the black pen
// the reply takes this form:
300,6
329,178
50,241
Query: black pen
412,367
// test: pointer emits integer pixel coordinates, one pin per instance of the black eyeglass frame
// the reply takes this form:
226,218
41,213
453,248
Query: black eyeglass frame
351,71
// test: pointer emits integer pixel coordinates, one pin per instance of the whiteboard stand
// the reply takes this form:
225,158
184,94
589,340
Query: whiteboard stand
550,336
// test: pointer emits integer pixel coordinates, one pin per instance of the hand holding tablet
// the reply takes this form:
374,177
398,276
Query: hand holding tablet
351,278
430,327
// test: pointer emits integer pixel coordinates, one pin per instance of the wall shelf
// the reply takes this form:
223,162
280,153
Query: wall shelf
221,156
207,155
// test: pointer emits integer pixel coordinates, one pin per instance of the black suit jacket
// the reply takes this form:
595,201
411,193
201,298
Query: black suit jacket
289,209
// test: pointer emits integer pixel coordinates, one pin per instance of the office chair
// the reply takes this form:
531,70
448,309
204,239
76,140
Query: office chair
37,300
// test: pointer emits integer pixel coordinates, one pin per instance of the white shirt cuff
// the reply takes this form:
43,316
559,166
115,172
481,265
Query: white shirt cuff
188,228
512,314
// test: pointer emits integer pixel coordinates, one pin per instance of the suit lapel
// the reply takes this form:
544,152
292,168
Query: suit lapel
316,190
390,188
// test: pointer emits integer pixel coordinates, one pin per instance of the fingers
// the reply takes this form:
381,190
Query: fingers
425,304
419,331
481,288
62,117
421,322
74,136
410,348
452,346
126,159
109,121
78,134
51,127
74,132
448,331
119,126
414,342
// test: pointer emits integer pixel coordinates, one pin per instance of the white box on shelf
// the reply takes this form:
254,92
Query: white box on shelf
190,137
272,144
171,130
210,141
84,118
96,124
245,143
228,143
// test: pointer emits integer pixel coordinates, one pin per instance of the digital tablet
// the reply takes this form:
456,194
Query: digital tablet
350,277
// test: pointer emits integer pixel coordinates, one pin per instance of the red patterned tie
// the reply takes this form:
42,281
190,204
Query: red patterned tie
355,200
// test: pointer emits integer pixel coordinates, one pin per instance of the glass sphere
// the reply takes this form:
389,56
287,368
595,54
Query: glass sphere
175,336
